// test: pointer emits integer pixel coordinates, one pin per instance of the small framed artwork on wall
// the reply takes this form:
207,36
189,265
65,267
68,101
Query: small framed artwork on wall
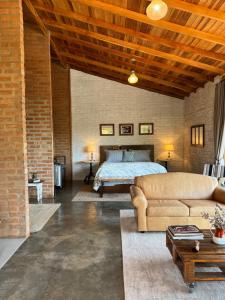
106,129
198,135
126,129
146,128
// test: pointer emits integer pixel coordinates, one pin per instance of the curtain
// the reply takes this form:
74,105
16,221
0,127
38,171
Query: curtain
219,122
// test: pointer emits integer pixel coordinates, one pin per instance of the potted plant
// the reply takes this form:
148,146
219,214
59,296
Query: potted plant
218,224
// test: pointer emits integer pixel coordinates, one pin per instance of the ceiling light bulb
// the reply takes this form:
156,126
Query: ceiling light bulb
132,79
156,7
156,10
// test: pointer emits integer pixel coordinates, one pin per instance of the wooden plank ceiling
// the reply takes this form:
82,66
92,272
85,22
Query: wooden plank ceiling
173,56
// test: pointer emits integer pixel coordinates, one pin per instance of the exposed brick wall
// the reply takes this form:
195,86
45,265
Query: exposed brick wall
199,109
13,161
96,100
39,106
62,114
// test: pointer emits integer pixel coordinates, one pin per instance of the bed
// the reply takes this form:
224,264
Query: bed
118,176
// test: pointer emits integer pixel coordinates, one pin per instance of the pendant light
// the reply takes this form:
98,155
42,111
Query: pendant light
132,79
156,10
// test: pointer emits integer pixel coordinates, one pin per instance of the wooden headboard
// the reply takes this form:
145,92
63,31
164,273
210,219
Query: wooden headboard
128,147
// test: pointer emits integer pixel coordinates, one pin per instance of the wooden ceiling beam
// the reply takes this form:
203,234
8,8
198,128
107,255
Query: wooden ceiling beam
147,61
123,79
184,89
188,31
43,28
135,46
151,38
197,9
133,66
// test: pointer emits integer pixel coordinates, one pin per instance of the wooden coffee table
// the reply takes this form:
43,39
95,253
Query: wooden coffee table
190,263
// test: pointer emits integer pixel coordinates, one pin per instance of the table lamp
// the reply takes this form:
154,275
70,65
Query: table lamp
91,150
169,148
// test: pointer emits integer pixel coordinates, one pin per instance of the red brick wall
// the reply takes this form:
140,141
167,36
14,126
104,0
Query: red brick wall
13,161
39,106
62,114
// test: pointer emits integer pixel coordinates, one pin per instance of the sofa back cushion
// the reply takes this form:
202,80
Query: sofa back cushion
177,186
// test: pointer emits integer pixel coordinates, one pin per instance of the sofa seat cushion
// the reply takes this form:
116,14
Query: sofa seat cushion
197,207
167,208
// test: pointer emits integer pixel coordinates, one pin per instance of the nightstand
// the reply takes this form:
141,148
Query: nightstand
90,175
164,163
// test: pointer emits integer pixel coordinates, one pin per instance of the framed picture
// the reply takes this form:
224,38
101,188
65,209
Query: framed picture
126,129
198,135
106,129
146,128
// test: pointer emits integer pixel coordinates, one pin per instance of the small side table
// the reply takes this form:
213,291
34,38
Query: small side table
87,178
39,189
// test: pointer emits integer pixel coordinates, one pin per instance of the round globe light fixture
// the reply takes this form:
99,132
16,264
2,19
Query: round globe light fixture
132,79
156,10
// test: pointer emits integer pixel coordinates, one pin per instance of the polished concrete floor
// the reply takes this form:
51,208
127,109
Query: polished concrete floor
76,256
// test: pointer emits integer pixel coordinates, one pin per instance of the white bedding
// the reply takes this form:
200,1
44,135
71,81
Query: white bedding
125,170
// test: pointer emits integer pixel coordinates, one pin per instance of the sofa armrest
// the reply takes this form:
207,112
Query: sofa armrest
138,197
140,203
219,195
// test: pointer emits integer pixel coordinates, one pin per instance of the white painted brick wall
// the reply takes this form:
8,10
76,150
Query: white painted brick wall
199,109
96,100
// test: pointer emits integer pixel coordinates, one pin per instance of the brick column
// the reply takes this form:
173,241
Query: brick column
39,106
14,213
62,114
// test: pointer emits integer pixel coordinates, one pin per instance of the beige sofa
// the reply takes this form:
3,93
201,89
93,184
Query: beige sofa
174,199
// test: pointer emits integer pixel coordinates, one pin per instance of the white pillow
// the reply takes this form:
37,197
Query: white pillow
142,155
114,155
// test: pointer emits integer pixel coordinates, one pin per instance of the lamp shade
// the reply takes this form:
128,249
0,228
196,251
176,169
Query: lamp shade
90,148
132,79
169,147
156,10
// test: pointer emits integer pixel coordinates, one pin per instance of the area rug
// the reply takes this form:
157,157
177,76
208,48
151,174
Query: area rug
40,214
8,247
149,272
87,194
